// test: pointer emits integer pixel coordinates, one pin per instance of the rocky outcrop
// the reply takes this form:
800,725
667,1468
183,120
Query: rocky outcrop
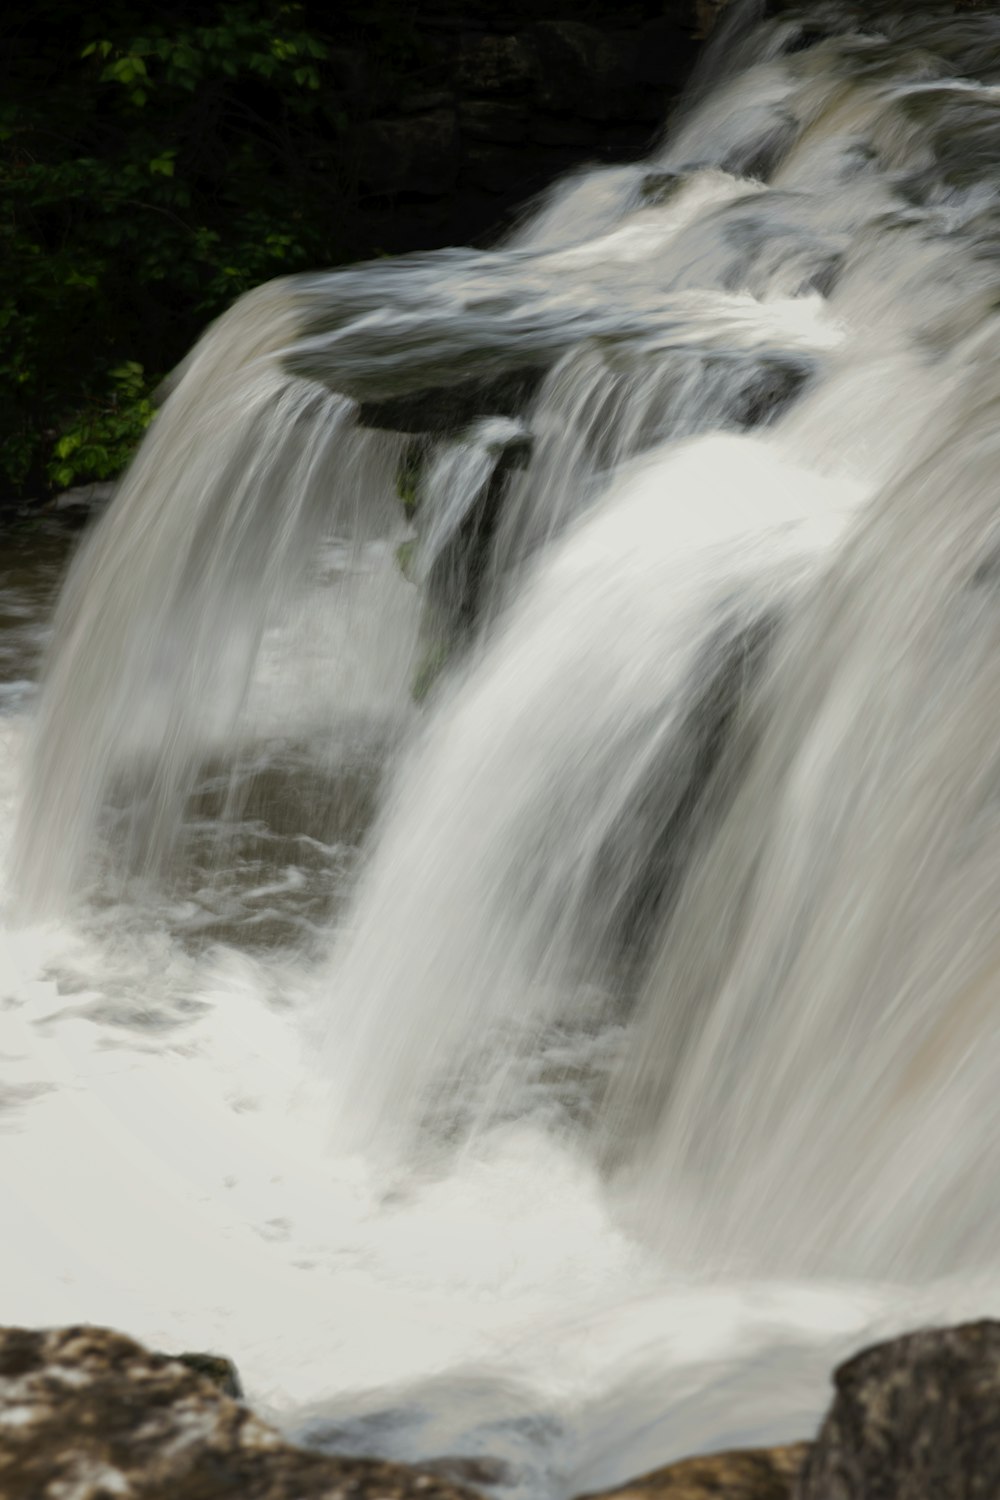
917,1418
88,1413
755,1474
216,1368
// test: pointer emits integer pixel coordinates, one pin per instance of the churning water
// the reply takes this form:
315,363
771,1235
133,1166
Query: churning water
517,965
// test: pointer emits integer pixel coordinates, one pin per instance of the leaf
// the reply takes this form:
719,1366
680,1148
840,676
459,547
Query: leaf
131,370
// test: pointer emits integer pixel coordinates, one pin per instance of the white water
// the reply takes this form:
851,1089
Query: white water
638,1060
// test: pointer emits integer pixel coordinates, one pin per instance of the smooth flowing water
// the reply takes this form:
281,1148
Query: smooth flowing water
501,872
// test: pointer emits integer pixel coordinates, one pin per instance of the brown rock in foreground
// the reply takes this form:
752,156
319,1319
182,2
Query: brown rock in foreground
89,1414
753,1474
917,1418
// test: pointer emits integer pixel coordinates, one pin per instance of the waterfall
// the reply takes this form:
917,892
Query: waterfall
510,881
699,851
160,623
693,852
814,1057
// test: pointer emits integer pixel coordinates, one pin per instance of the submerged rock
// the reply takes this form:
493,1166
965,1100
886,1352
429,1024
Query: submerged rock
752,1474
90,1413
917,1418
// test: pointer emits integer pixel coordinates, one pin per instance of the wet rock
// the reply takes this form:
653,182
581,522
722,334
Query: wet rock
88,497
88,1413
917,1418
657,188
753,1474
773,386
447,409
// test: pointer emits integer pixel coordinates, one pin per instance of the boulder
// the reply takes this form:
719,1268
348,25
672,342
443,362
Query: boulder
88,1413
917,1418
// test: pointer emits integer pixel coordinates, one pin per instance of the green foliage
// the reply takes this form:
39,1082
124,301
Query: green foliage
150,172
406,556
429,669
105,432
408,478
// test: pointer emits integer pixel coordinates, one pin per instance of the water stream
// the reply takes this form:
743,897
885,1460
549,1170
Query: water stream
514,965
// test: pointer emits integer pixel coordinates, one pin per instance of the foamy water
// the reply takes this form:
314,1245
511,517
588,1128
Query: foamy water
572,1068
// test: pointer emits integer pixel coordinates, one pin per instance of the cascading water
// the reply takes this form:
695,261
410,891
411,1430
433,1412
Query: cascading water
636,1055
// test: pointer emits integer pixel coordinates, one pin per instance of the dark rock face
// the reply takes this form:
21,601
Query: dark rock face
756,1474
492,63
584,72
88,1413
418,153
497,101
917,1418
